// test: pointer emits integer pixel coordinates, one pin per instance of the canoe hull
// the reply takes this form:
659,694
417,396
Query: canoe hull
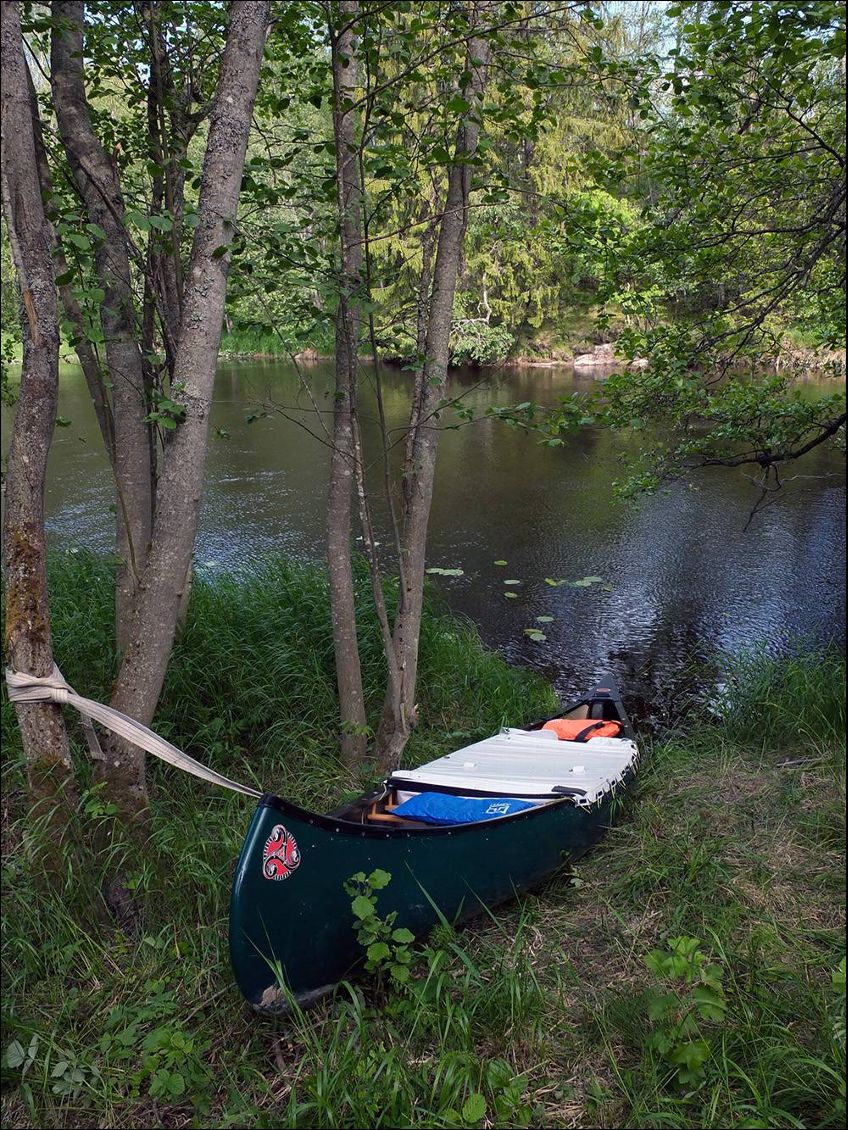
291,919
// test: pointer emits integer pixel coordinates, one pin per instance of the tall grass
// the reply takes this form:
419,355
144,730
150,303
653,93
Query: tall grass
795,698
543,1015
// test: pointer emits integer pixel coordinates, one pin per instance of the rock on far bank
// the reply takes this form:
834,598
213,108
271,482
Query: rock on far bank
604,356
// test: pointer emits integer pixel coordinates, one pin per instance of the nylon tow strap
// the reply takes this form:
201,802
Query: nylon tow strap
25,688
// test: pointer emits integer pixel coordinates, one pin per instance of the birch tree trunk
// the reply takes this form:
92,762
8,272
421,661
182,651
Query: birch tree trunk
28,638
343,457
180,486
420,464
99,186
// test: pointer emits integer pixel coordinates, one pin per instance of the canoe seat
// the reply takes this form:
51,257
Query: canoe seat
386,815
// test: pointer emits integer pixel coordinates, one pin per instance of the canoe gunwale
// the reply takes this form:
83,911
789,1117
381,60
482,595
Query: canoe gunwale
369,831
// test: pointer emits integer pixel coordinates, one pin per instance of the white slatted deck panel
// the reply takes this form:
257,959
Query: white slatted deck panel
523,763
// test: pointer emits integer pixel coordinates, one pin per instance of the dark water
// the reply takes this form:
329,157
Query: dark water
681,579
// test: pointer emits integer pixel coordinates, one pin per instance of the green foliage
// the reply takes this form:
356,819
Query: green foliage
172,1065
166,413
387,949
687,421
475,342
746,154
691,999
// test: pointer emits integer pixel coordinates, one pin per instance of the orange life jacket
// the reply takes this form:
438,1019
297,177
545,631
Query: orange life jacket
582,729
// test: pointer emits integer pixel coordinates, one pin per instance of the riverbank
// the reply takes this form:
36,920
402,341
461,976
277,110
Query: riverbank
801,363
584,353
568,1008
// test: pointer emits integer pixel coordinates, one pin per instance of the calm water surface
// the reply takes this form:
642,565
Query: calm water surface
681,578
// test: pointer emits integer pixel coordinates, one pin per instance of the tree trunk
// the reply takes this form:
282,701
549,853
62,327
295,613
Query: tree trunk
97,181
422,319
343,457
28,639
73,312
160,589
164,278
420,466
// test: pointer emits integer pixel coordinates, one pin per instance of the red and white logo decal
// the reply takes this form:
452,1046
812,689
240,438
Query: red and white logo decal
281,855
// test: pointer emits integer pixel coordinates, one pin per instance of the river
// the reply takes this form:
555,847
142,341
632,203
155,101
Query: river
682,580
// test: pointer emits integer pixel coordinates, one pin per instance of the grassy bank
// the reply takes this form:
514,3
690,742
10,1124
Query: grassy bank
682,975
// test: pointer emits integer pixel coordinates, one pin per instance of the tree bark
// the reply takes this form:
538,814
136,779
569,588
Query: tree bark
98,183
422,319
73,312
160,589
343,457
28,637
420,464
165,269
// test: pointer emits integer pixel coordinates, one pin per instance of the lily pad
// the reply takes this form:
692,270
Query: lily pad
544,619
499,562
511,595
535,635
555,584
512,582
584,582
446,572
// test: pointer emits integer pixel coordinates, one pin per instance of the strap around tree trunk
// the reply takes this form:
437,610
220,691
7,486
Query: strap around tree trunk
25,688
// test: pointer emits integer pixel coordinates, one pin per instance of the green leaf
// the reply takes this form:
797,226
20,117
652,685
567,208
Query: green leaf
709,1002
63,422
512,582
403,935
378,951
511,595
838,977
661,1005
15,1054
544,619
176,1083
499,562
221,251
379,879
362,907
139,219
692,1054
458,105
474,1108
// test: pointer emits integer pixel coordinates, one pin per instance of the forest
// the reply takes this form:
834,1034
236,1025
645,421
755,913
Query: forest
375,374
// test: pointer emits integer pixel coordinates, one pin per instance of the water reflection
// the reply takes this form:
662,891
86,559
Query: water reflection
681,579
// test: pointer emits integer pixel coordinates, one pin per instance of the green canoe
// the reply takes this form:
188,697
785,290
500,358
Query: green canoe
291,925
